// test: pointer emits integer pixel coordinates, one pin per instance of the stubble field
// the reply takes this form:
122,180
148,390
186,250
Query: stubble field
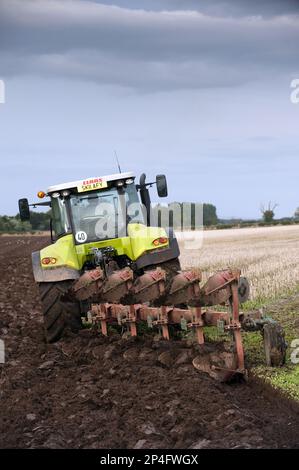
268,257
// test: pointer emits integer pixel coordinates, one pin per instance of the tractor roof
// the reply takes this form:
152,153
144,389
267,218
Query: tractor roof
75,184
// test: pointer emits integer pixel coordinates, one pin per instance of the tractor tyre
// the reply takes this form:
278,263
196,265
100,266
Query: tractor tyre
60,311
274,344
172,268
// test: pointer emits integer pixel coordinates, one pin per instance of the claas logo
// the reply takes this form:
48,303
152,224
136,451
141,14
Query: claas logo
94,183
95,180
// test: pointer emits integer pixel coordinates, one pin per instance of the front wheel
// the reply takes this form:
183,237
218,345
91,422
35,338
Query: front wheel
60,311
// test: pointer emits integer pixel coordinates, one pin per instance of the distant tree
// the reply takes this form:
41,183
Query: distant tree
40,220
13,224
185,215
10,224
268,212
209,215
296,215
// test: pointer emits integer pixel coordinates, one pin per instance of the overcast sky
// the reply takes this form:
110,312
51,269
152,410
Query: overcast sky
197,89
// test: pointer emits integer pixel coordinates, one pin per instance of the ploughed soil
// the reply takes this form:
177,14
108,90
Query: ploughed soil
87,391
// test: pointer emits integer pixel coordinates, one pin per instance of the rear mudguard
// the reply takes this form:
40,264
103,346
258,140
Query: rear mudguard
51,275
152,258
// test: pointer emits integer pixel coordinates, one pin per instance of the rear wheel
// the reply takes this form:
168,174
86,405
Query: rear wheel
59,309
172,268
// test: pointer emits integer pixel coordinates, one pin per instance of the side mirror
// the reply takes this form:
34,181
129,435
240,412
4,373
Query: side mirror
162,185
142,179
24,210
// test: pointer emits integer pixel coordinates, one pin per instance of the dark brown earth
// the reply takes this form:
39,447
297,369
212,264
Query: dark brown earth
87,391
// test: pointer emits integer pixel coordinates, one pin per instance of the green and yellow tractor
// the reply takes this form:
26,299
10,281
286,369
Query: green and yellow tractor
97,222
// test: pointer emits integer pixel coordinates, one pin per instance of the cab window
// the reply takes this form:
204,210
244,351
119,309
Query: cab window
59,217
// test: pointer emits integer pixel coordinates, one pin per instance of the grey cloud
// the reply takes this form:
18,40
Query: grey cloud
141,49
141,75
214,7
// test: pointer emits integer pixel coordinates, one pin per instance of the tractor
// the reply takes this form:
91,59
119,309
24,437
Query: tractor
108,262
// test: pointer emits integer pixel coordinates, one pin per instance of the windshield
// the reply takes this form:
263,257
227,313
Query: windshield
105,214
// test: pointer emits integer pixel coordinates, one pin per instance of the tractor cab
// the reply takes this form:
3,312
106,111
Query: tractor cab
98,208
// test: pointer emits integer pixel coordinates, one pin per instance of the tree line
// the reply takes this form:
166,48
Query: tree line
39,221
163,216
186,215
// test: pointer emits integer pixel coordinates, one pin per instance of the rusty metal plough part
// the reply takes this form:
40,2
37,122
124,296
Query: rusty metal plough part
121,298
122,287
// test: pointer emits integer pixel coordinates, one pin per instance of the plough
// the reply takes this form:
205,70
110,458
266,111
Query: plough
182,302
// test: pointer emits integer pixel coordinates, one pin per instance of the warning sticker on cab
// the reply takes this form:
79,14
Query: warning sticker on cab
92,185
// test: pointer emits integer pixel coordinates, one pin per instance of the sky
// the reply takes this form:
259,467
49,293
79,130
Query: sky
199,90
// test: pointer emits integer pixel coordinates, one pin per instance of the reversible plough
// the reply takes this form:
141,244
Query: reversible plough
122,299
